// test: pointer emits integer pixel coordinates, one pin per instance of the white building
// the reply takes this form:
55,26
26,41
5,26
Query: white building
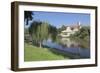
70,30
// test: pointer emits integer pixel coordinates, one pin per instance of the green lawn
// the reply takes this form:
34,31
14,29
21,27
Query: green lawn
33,53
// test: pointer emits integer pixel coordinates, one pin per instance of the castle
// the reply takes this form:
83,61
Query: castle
70,30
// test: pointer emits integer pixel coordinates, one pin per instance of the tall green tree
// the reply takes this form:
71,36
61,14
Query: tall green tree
83,33
42,33
33,30
53,32
28,16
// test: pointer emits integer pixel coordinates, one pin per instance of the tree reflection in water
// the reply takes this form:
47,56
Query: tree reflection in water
77,48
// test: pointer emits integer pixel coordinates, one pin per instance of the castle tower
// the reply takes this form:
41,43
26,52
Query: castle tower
79,24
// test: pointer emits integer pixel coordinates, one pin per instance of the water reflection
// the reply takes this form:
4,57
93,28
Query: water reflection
68,43
76,49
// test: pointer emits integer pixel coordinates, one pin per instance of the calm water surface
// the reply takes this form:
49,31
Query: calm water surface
67,46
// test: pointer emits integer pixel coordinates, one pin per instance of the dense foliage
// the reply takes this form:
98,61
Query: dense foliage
28,16
83,33
40,31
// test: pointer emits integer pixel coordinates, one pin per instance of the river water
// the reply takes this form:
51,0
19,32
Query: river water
69,47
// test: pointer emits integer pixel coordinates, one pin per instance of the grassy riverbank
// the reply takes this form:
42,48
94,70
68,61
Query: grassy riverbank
33,53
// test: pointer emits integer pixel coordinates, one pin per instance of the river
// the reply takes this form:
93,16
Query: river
75,49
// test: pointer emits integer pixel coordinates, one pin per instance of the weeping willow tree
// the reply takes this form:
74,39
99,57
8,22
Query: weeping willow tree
33,31
40,31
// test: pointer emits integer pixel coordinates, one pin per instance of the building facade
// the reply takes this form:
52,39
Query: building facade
70,30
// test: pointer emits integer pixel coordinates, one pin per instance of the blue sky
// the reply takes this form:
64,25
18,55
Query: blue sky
60,18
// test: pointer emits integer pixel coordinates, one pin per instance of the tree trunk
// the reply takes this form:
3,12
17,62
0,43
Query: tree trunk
40,44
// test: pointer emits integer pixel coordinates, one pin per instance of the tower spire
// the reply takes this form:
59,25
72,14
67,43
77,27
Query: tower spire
79,23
